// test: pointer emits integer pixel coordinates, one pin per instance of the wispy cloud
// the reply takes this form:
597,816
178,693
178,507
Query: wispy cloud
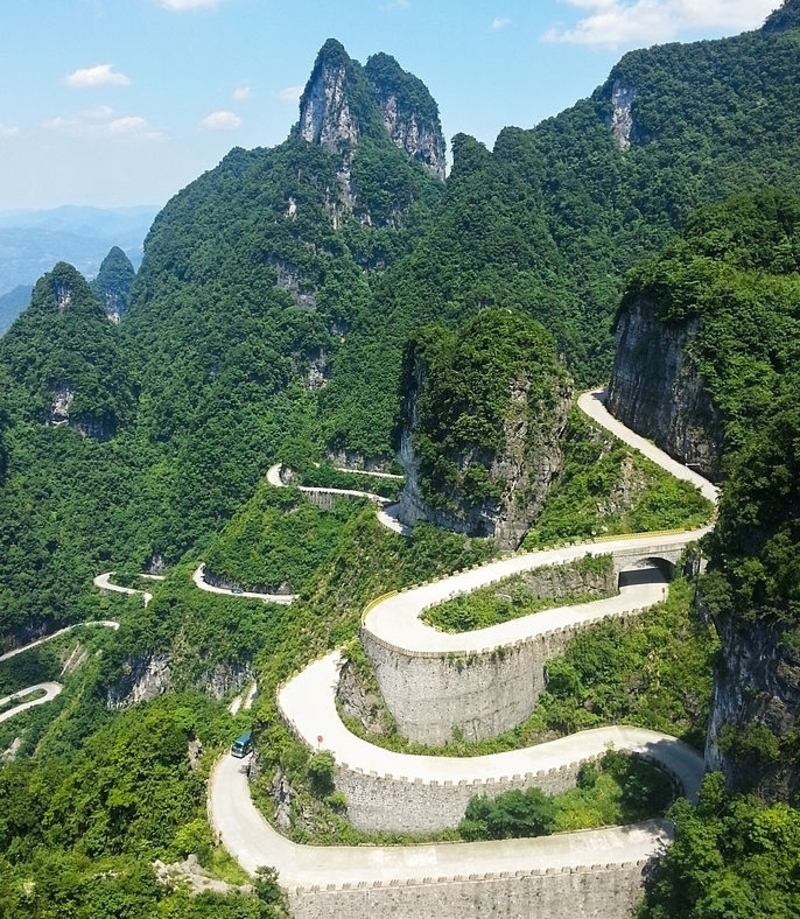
500,22
7,130
220,121
103,122
242,92
99,75
394,5
291,93
620,23
183,6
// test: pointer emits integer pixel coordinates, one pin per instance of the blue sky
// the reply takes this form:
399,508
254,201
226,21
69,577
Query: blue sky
122,102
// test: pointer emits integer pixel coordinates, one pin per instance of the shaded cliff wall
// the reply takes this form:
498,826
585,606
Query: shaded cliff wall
657,391
755,711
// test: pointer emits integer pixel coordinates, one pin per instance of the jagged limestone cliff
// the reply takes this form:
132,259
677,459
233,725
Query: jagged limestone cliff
351,111
483,413
708,341
410,114
658,391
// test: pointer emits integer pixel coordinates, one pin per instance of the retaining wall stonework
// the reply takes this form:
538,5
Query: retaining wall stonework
599,892
431,694
396,805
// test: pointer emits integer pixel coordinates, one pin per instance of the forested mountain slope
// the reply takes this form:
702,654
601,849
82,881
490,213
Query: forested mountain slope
552,217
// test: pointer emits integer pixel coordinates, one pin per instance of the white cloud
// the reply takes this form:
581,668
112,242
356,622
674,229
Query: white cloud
220,121
7,130
182,6
623,23
394,5
101,122
242,92
500,22
291,93
99,75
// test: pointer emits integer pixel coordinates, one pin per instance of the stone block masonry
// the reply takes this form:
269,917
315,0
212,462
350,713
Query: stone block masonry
397,805
433,695
597,892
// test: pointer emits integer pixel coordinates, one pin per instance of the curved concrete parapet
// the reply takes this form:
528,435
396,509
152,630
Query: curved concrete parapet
51,690
200,582
253,842
571,872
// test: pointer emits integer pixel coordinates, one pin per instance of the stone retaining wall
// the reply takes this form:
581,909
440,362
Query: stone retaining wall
433,694
396,805
596,892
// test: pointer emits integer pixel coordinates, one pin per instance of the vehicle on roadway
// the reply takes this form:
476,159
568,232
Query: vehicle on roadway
242,745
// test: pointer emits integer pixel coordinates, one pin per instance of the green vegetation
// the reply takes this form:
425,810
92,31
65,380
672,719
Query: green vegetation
277,540
326,475
268,323
464,388
114,281
515,597
605,489
620,789
732,857
654,671
63,343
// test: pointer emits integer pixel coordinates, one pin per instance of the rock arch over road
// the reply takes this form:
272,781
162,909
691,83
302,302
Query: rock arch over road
598,867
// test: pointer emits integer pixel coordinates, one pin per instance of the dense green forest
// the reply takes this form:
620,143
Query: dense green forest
277,297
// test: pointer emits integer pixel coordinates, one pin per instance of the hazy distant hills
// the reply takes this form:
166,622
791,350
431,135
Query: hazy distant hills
31,242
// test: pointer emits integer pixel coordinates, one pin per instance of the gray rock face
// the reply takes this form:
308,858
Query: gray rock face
144,678
657,391
757,684
59,413
426,145
325,115
622,127
530,460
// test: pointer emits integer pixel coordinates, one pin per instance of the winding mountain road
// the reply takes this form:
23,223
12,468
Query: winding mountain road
308,703
386,511
105,623
51,690
199,580
103,583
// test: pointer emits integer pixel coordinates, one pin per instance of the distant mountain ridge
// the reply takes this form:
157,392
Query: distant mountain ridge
32,241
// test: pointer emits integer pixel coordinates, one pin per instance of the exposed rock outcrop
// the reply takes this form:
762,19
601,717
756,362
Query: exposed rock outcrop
410,114
622,99
344,104
482,420
114,282
756,707
657,391
144,677
327,117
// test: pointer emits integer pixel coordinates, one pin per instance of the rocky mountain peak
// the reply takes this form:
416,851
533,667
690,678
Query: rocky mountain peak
410,114
113,283
343,102
329,113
